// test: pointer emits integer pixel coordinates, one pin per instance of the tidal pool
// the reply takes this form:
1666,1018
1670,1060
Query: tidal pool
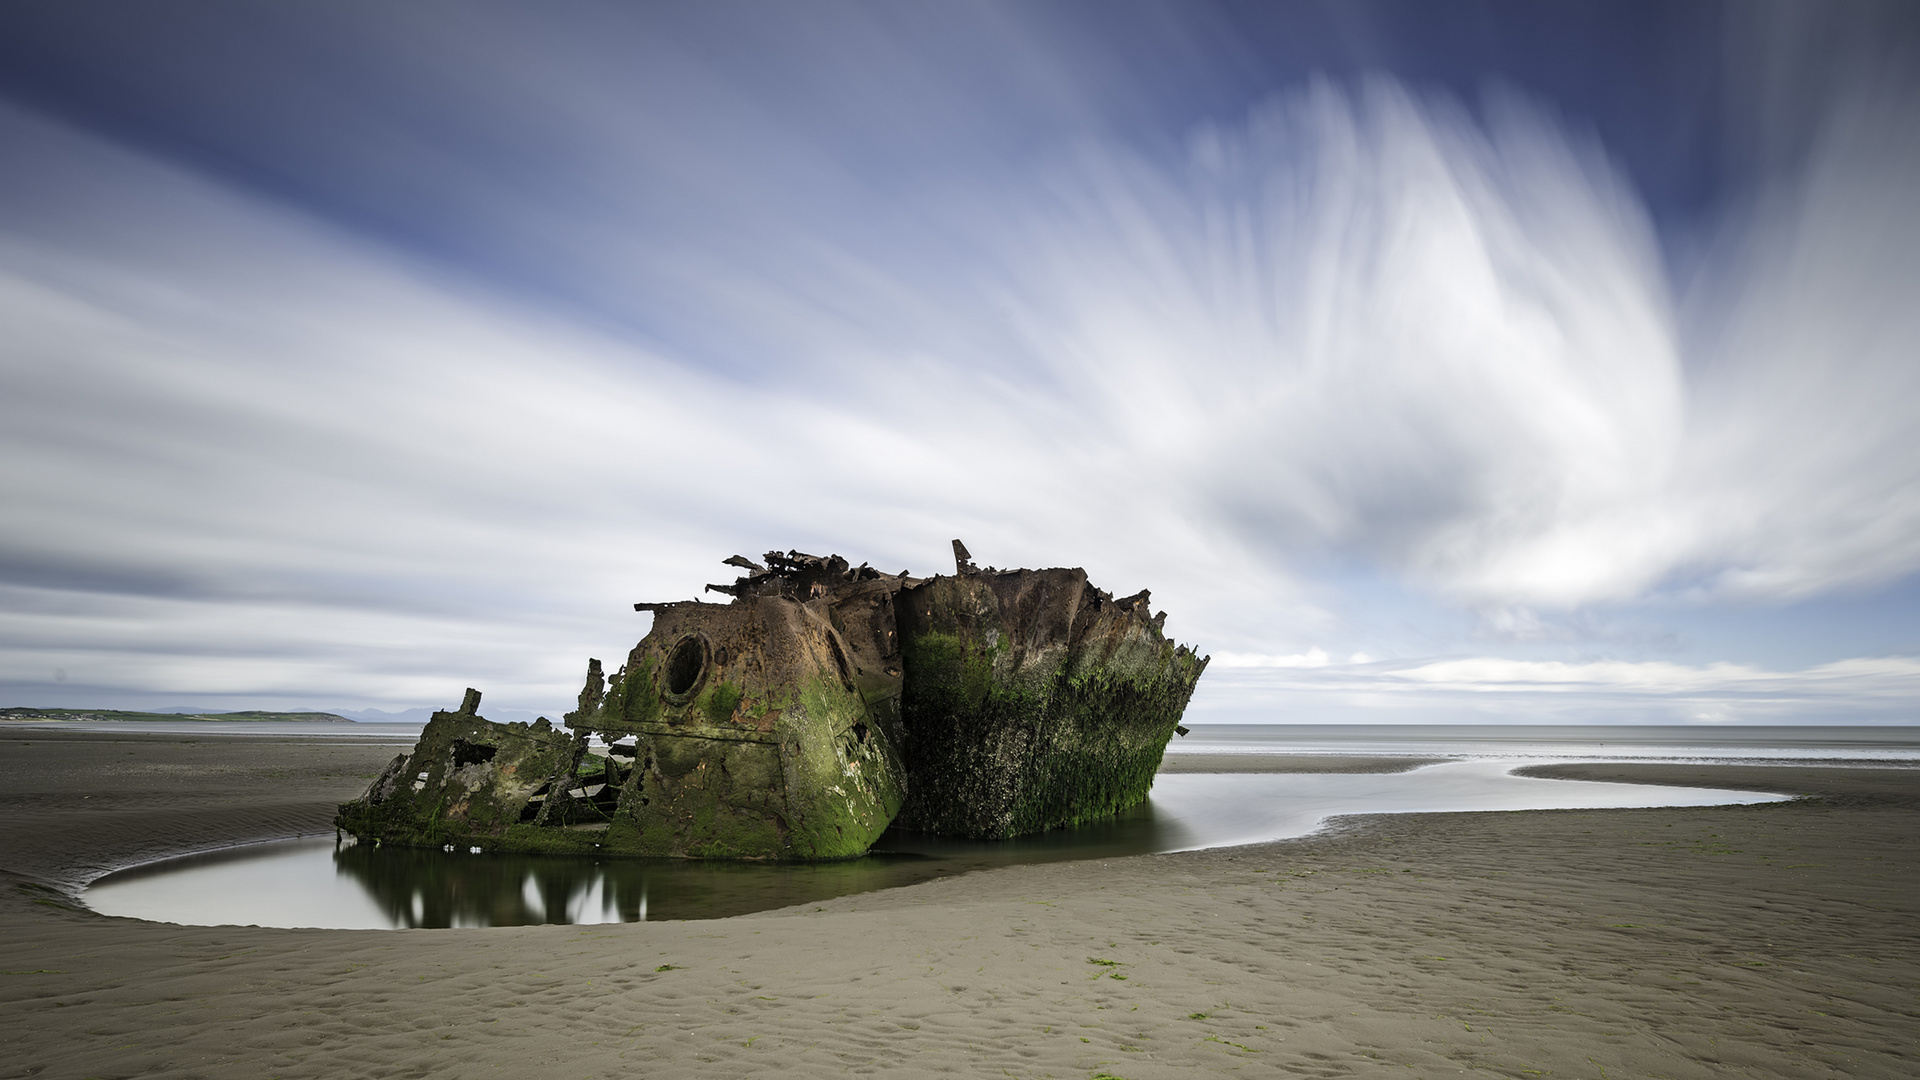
316,882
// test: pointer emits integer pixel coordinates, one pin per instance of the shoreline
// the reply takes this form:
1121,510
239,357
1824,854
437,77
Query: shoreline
1771,940
318,760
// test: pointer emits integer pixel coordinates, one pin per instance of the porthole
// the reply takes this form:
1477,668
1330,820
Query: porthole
686,667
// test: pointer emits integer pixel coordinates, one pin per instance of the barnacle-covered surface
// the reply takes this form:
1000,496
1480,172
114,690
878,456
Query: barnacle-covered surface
796,721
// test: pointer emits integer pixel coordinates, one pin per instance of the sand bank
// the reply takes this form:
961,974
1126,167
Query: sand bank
1773,941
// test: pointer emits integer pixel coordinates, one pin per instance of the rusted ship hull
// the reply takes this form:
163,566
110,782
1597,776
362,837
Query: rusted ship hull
751,737
472,782
1032,702
801,719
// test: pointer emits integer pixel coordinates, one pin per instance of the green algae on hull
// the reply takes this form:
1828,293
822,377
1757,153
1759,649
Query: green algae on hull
799,720
474,783
766,728
750,732
1033,701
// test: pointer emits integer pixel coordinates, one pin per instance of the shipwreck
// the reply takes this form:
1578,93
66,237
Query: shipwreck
820,705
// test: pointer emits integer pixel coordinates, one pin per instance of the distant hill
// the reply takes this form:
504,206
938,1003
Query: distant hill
421,716
23,713
382,716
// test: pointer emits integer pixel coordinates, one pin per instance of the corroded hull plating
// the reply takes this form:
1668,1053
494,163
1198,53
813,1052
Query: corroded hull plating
1033,701
472,782
798,720
750,736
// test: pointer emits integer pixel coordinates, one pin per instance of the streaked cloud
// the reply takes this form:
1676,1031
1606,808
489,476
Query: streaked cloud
415,411
1869,690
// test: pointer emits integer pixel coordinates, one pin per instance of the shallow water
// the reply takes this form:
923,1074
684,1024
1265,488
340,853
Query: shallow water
314,882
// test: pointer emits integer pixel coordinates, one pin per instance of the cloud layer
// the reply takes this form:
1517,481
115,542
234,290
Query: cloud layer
1359,332
1310,688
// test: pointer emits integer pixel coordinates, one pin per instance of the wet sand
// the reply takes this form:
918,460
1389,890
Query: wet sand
1777,940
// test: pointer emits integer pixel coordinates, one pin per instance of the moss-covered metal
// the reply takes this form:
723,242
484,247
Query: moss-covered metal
750,732
475,783
1032,701
761,729
799,720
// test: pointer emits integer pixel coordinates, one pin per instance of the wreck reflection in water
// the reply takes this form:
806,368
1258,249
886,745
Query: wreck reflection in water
416,888
320,882
315,882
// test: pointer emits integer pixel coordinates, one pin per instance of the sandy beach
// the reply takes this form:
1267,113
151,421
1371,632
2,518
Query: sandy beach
1777,940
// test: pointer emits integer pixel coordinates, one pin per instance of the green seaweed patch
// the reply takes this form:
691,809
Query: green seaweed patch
1064,742
721,701
836,805
631,695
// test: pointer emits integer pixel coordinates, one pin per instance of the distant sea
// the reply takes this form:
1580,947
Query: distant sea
1701,743
216,728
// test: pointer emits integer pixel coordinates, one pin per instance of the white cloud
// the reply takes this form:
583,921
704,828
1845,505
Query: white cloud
259,456
1501,690
1363,323
1315,657
1800,467
1357,325
1875,676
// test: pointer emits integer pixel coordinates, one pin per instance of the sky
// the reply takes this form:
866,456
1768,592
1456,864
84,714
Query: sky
1431,362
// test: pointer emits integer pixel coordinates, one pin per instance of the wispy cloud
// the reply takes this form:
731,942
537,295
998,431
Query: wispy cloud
282,447
1870,690
1360,322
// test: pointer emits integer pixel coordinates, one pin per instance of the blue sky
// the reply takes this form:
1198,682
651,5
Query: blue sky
1430,361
